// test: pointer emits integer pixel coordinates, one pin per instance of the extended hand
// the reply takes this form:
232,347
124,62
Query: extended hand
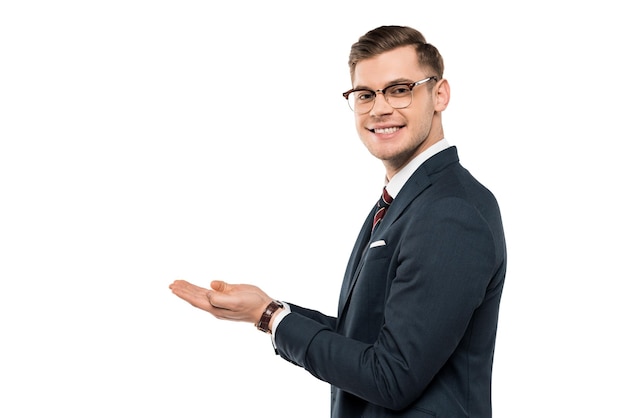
235,302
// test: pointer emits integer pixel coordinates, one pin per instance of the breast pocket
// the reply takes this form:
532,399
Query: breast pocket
377,250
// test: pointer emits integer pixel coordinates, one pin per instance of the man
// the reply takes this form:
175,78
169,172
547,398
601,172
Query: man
416,324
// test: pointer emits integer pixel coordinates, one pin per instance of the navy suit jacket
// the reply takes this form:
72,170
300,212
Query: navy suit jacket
416,325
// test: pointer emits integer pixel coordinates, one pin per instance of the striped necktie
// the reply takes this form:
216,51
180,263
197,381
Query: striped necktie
383,203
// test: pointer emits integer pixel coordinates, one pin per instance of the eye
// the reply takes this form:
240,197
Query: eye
364,95
398,90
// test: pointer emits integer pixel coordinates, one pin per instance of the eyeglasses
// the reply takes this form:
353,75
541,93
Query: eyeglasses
397,96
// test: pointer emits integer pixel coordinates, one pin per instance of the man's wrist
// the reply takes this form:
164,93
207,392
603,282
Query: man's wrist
264,323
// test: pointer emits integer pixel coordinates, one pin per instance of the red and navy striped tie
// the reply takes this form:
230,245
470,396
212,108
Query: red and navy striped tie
383,203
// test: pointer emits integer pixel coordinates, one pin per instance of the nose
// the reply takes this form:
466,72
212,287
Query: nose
381,107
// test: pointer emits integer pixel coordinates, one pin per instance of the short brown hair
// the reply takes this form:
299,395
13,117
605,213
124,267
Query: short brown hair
386,38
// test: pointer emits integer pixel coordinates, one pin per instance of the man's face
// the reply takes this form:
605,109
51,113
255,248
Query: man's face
395,136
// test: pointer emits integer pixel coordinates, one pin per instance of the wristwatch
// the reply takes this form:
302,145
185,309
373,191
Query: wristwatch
264,322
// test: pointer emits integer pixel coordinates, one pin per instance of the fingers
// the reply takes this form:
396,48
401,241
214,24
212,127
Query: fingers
182,287
195,295
177,283
216,302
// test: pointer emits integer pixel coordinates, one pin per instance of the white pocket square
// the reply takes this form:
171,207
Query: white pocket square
378,243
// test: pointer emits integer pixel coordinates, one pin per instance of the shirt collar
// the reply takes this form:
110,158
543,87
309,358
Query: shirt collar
396,182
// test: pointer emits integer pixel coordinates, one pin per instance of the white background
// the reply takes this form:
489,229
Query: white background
139,140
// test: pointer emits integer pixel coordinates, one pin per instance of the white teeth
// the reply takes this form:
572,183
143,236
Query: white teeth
386,130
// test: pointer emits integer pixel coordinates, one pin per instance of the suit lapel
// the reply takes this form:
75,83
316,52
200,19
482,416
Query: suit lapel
365,239
417,183
356,259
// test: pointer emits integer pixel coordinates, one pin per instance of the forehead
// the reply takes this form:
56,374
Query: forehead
397,64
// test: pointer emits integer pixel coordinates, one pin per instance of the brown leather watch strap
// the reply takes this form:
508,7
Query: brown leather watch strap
264,322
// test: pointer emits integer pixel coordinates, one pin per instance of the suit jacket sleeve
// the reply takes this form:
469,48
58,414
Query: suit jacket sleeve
438,267
316,316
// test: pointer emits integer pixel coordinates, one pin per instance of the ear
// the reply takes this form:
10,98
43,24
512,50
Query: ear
441,95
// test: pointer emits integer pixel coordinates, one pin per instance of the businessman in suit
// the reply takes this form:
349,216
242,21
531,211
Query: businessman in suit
415,330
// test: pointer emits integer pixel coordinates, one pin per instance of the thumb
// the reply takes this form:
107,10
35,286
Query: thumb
220,286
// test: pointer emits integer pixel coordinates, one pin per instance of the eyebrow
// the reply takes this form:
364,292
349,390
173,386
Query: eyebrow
390,83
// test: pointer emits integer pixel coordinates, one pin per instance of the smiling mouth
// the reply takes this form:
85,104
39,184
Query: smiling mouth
386,130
